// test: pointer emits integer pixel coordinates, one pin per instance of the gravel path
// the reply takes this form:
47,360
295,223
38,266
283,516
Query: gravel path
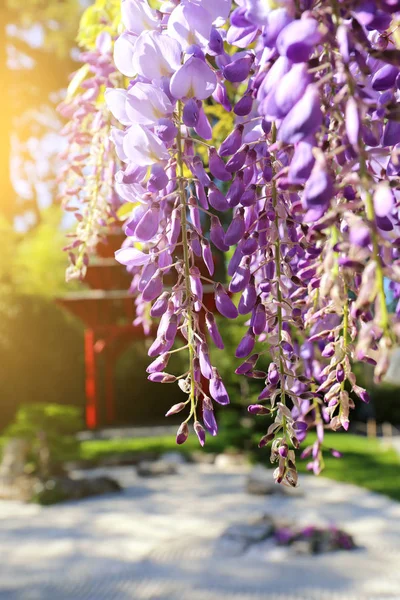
157,541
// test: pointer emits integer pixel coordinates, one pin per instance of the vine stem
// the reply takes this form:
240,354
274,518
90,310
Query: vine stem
370,213
278,288
186,262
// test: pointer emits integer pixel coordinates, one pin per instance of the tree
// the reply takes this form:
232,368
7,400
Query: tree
30,74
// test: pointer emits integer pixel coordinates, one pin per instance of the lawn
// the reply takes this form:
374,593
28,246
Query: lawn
98,449
366,462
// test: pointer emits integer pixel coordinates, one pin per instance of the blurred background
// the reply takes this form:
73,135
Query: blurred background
41,344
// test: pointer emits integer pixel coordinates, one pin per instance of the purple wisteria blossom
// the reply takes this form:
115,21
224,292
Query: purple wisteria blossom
301,196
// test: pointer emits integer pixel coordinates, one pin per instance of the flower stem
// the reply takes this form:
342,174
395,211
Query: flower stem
186,261
278,289
380,278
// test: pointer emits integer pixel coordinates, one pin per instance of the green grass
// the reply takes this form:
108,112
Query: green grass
98,449
365,462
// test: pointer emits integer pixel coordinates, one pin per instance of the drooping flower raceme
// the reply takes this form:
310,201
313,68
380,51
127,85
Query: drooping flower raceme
305,184
88,177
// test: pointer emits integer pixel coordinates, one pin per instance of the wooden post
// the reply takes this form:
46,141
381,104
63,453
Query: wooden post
371,428
92,400
109,364
387,430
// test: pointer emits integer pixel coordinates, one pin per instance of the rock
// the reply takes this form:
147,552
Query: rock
156,469
15,484
314,540
175,458
205,458
15,455
62,489
237,538
260,482
258,487
19,488
252,531
302,547
126,459
229,461
82,464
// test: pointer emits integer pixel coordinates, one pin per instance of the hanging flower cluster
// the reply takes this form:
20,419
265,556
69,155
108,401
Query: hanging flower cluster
88,177
307,183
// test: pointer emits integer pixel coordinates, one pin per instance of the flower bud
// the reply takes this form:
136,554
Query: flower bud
209,419
213,331
299,38
340,375
236,162
159,363
217,166
199,431
250,244
161,378
196,287
300,426
198,170
175,228
159,346
303,120
249,197
182,434
217,199
283,450
258,409
224,304
243,107
384,78
205,364
220,95
336,453
217,234
216,43
238,70
246,345
236,229
248,298
241,277
175,409
160,305
273,374
217,389
236,190
266,439
248,365
207,256
147,227
233,142
190,113
259,320
154,288
166,130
